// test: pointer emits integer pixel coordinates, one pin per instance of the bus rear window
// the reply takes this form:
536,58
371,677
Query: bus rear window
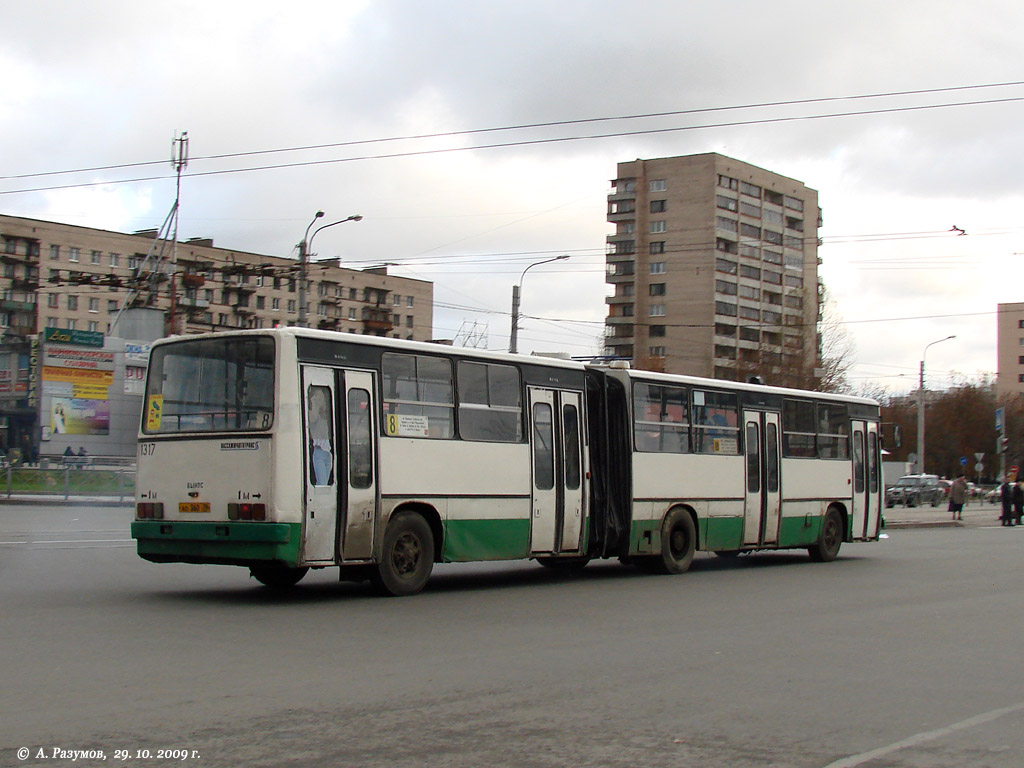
210,385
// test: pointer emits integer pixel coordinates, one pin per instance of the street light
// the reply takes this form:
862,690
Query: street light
514,338
920,408
304,248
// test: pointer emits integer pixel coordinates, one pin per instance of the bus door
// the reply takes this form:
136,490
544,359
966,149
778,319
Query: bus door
762,507
866,480
556,439
339,453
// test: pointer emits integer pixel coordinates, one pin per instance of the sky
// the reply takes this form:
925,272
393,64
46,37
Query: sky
432,119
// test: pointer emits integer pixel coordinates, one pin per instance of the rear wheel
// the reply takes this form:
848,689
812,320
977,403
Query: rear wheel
277,575
826,548
408,556
678,544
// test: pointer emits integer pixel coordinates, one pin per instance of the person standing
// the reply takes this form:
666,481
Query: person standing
957,496
1018,503
1006,498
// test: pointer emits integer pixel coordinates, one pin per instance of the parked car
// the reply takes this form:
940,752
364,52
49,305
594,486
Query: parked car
915,490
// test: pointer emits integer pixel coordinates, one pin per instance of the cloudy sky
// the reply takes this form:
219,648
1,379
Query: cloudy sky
423,116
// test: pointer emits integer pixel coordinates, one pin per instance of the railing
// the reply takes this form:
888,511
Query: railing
73,476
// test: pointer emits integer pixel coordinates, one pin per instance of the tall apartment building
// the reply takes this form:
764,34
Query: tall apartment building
1009,350
715,270
58,277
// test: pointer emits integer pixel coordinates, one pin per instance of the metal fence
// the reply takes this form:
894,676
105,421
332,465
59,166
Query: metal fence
73,476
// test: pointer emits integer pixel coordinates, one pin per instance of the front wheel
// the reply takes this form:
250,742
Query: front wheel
408,556
276,575
826,548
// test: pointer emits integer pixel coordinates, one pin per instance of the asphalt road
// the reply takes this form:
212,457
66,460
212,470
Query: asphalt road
906,652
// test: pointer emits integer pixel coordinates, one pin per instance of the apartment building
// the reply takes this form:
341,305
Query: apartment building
714,268
76,280
1009,350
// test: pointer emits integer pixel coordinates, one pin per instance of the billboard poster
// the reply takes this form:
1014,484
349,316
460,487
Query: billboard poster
78,416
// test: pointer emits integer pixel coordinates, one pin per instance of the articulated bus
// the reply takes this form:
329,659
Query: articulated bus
289,449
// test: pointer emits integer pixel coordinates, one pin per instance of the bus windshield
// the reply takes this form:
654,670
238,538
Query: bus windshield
210,385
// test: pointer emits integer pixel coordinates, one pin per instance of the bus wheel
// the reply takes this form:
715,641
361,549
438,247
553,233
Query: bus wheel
826,548
408,556
277,575
678,543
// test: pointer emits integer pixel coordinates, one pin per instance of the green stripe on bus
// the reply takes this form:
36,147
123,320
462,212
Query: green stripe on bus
721,533
799,531
466,540
238,543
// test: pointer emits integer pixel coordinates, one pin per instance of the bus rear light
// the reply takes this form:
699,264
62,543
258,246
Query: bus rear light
247,511
149,510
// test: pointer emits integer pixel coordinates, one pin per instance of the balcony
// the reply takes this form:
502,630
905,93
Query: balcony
190,280
377,319
190,302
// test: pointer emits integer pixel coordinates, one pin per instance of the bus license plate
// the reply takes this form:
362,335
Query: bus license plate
193,507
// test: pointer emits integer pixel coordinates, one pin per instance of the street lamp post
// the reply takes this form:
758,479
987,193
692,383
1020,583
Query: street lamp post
920,408
513,343
304,249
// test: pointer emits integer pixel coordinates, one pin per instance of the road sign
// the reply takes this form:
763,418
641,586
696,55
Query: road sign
963,461
978,467
999,419
979,456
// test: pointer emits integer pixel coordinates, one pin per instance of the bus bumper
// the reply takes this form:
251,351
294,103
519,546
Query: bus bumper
226,543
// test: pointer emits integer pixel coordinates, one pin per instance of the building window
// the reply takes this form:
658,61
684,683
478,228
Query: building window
111,305
750,209
725,287
656,351
657,310
291,305
396,300
94,326
749,292
658,185
750,189
658,206
727,182
724,329
275,304
794,202
752,272
657,289
72,324
408,302
749,313
73,254
749,230
657,227
51,300
726,224
115,260
656,330
657,267
54,252
657,246
72,302
94,305
726,203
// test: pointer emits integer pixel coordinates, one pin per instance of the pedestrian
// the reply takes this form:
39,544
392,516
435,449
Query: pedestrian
1018,503
1006,497
957,496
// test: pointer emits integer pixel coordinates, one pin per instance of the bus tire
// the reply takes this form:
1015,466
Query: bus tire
678,543
276,575
826,548
407,557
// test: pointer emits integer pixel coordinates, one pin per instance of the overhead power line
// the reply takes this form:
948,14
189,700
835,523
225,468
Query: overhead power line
532,142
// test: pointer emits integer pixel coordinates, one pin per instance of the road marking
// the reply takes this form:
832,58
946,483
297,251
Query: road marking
921,738
82,541
13,542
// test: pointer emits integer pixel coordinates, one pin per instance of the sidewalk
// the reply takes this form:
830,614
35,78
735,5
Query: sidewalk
976,513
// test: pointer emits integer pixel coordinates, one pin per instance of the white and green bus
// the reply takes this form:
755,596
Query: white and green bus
289,449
